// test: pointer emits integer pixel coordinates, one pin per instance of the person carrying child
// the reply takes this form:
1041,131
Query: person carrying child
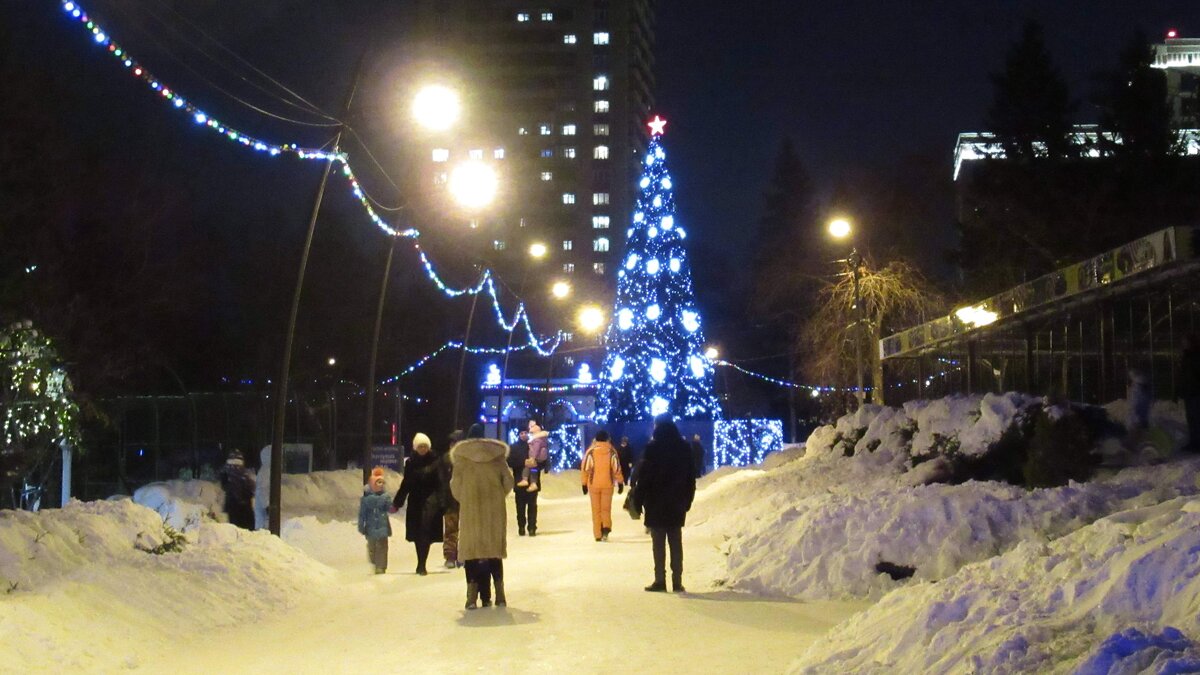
539,455
373,521
600,472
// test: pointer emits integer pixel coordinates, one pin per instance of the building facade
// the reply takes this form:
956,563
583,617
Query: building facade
556,95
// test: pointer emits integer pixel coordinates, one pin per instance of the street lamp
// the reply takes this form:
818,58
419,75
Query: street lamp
590,318
437,107
537,250
473,185
712,353
560,289
840,228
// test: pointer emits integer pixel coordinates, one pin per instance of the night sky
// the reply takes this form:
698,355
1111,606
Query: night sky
853,83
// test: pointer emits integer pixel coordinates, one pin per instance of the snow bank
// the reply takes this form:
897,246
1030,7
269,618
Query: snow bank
829,545
1111,597
327,495
64,568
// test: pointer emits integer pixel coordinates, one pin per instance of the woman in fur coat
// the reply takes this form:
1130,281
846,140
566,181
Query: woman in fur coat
481,482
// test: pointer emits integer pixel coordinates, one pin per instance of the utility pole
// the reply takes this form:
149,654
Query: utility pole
462,362
274,513
367,441
861,321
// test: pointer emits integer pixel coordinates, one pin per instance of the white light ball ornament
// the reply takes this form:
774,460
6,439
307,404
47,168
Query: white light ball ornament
652,232
668,222
617,369
653,312
652,266
691,321
638,217
645,183
697,365
675,264
666,182
659,405
625,319
658,370
657,202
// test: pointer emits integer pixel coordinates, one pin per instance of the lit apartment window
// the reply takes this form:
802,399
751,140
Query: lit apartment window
547,176
600,152
522,17
568,197
569,153
599,198
600,245
498,245
599,129
547,16
475,154
600,38
547,153
570,39
439,178
545,129
568,244
600,222
522,131
569,268
600,83
521,222
441,154
498,153
568,130
601,106
598,267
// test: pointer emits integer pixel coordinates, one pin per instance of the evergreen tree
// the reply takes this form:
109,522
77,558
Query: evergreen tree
1032,105
1136,107
654,362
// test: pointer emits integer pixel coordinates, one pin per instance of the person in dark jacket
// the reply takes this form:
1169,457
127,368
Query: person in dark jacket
423,490
238,484
699,456
1189,388
373,521
527,501
450,517
625,456
666,487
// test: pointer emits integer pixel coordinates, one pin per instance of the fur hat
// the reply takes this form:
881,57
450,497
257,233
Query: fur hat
421,439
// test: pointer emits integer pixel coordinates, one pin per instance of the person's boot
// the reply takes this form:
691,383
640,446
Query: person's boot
659,585
501,601
521,531
472,595
677,583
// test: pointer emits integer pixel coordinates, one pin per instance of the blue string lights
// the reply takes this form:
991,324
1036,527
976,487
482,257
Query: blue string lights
454,344
544,346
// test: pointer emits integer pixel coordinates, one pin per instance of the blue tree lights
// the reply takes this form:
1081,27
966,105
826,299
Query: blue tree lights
655,362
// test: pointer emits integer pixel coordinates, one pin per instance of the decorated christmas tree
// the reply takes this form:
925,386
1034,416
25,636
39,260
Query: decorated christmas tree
655,361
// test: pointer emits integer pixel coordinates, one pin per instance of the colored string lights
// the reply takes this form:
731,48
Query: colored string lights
205,119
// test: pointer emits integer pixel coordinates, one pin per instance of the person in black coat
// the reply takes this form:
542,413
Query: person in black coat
527,507
699,456
238,484
666,487
422,488
1189,389
625,456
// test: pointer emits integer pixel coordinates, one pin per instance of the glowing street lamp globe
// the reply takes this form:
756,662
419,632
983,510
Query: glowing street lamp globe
711,353
437,107
473,185
537,250
560,289
591,318
839,228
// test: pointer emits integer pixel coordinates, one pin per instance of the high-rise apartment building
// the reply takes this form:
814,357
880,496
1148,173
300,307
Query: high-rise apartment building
556,95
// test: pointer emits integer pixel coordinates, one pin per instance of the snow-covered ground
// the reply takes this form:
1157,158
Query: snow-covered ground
835,557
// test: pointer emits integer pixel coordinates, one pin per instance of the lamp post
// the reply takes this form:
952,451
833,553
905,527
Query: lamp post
840,228
436,108
537,251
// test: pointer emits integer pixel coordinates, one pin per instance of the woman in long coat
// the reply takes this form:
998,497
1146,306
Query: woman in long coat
481,482
423,489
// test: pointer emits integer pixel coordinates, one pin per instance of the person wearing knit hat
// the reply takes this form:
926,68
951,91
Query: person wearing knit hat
423,490
238,484
373,521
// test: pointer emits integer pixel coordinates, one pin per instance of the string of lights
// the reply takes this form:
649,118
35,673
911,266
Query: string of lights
204,119
454,344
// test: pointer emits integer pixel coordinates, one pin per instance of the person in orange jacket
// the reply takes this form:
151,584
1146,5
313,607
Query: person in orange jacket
601,471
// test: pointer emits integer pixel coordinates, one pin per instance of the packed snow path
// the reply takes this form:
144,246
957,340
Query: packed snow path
575,605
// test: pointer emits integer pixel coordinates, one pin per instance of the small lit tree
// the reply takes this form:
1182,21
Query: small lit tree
35,403
894,295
